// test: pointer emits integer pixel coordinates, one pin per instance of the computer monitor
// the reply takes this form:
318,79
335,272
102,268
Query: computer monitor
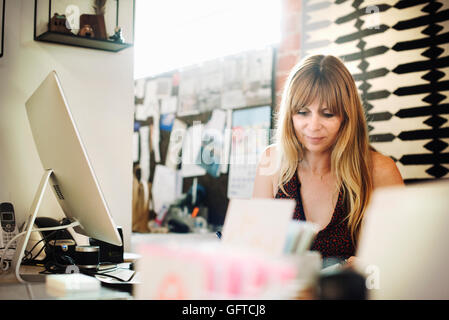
66,165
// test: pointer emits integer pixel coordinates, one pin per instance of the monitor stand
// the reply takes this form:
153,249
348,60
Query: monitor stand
28,226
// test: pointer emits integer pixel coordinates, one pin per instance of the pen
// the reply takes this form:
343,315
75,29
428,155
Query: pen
218,233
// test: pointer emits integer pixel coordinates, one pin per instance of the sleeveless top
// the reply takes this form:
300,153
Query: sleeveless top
335,239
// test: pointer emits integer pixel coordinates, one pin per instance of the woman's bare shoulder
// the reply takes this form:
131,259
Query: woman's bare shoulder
265,182
271,150
268,160
385,171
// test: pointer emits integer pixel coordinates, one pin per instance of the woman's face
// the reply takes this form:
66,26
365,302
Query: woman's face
316,127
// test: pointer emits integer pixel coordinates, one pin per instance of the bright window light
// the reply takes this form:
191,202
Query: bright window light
172,34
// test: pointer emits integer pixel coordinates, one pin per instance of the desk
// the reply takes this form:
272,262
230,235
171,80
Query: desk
10,289
38,291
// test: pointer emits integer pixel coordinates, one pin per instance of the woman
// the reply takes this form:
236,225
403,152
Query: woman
322,157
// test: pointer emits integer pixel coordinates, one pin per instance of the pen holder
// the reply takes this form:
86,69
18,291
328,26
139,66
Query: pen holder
87,257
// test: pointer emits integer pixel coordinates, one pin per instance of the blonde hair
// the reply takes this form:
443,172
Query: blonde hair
327,79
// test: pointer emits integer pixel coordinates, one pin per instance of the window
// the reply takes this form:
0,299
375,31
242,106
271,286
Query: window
171,34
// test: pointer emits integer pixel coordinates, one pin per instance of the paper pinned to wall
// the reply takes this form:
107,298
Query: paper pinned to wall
144,161
135,146
175,145
151,90
140,112
210,155
250,136
156,135
166,187
169,105
190,149
139,88
147,109
227,142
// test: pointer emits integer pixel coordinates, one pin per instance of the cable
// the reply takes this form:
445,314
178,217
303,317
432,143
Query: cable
73,224
29,253
93,273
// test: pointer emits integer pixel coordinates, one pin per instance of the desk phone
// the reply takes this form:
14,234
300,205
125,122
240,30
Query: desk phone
9,228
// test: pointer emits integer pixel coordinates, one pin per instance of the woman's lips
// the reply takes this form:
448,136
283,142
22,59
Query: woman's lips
314,140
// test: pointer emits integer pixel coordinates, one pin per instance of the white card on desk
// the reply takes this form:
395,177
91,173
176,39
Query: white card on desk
260,224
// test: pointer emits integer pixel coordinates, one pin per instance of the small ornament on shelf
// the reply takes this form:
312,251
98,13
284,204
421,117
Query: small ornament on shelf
87,31
117,36
58,23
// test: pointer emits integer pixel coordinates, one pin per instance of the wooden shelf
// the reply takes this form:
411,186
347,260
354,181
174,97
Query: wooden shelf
78,41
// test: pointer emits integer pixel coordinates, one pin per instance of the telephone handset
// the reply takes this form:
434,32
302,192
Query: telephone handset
8,228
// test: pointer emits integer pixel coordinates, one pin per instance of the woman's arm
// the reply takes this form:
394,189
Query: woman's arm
266,173
385,171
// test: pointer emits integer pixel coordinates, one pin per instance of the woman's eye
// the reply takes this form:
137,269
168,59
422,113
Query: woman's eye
303,113
328,115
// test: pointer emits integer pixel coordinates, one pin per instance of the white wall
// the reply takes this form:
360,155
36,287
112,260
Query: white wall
99,89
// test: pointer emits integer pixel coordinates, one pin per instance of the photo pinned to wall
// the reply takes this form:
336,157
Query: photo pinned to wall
145,150
190,149
177,135
250,136
212,140
139,88
166,122
136,148
2,25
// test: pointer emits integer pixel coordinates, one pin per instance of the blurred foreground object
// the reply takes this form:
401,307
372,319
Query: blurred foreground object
403,244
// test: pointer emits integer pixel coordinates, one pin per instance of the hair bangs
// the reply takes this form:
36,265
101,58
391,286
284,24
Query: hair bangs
314,86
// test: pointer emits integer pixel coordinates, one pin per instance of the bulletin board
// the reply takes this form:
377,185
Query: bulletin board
193,95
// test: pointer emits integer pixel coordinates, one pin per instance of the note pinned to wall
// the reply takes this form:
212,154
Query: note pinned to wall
175,145
139,88
169,105
166,187
135,146
144,160
212,139
190,149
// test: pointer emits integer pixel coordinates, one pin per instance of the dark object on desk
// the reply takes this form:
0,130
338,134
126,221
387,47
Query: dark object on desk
87,257
178,226
218,233
342,284
53,243
108,252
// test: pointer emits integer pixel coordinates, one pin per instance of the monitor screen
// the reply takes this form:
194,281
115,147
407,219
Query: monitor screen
60,149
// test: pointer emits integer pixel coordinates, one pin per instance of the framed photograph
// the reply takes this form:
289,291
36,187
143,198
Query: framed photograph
2,25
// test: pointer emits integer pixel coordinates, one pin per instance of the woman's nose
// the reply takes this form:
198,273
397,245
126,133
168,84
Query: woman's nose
315,123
